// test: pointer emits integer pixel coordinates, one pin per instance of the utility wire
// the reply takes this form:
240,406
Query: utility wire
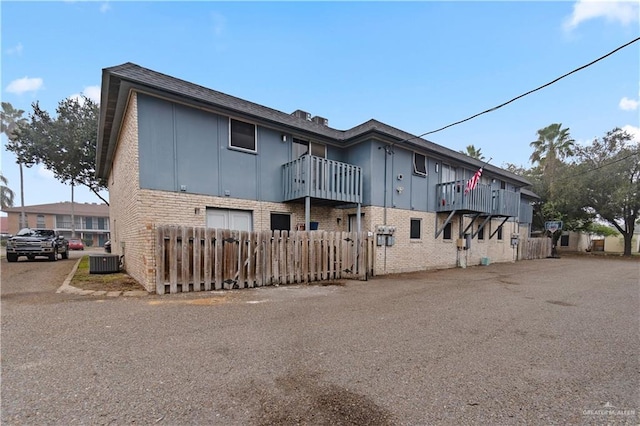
531,91
598,167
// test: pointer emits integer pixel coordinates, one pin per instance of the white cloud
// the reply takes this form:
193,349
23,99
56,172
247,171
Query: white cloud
633,131
91,92
219,23
16,50
627,104
105,7
45,173
623,11
24,84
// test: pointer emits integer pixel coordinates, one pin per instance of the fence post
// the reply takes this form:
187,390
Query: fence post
160,259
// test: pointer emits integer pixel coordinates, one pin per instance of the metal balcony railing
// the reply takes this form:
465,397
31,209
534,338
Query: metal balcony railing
316,177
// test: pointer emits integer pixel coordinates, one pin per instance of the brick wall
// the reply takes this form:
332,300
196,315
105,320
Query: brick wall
427,252
128,233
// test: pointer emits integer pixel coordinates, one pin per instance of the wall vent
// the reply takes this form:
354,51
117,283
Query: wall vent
104,263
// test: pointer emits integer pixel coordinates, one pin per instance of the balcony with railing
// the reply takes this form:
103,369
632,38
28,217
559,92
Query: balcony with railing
450,196
505,203
319,178
482,199
83,226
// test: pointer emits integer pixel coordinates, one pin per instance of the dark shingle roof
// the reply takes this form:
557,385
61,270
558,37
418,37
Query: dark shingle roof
137,75
529,194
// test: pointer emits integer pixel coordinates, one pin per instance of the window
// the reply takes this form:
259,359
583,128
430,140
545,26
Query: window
481,233
237,220
419,164
448,174
40,221
500,232
243,135
447,232
280,222
564,240
415,229
301,147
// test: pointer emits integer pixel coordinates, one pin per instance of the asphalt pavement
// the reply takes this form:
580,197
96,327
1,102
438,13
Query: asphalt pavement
552,341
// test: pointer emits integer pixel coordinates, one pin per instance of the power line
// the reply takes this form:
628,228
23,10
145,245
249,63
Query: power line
531,91
598,167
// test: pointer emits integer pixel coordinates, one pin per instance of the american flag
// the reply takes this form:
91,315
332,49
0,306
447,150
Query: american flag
473,182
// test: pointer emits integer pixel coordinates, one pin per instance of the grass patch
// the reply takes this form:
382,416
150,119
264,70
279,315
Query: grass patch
119,281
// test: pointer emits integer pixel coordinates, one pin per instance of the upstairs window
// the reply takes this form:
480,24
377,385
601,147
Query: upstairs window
242,135
302,147
419,164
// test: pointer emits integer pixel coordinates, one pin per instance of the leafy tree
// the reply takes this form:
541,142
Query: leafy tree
553,146
12,121
610,181
66,144
6,194
471,151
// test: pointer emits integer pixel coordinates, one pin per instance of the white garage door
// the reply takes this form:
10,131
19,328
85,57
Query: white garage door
237,220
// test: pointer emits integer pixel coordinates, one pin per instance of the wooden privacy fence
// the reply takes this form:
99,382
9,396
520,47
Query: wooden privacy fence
202,259
534,248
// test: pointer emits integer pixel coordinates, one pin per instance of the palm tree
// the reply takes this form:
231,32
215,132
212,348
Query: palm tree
6,194
473,152
11,121
554,144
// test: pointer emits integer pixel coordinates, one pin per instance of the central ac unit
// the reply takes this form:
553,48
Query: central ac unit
104,263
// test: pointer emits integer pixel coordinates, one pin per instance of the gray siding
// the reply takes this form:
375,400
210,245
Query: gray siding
184,147
196,132
156,144
187,147
417,191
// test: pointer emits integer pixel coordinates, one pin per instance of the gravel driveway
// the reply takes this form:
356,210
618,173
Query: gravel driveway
553,341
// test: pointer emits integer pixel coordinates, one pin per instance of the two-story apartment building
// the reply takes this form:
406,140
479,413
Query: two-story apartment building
174,152
91,220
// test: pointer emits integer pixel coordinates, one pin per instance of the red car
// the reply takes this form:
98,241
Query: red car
76,244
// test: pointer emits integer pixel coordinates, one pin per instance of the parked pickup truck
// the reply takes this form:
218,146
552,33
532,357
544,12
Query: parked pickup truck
37,242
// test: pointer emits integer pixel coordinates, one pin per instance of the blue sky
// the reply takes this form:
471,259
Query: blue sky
416,66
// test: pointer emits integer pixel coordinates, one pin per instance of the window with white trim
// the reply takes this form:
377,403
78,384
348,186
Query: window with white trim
419,164
242,135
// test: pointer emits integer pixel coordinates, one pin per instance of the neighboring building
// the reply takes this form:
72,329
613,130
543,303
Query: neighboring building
4,226
582,242
91,219
578,241
175,153
615,244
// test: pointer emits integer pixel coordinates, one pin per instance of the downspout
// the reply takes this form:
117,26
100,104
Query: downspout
388,150
307,199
